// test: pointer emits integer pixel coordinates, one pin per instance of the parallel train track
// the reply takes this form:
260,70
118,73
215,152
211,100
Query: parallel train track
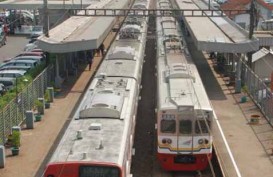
144,162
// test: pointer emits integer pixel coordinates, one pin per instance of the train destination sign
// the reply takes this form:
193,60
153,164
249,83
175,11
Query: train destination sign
98,171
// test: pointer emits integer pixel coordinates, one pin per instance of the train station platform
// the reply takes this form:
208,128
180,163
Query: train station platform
37,143
246,149
248,134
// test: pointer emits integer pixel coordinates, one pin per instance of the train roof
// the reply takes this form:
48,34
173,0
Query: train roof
100,127
97,130
179,83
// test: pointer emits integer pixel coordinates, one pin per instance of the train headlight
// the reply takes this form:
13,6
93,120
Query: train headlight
166,141
200,141
203,141
169,141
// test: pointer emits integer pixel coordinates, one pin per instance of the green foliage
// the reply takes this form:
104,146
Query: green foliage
21,84
11,94
37,104
245,89
36,71
16,139
5,99
51,84
47,96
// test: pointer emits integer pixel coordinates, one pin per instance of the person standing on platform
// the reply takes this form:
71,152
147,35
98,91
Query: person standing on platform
6,31
90,59
101,48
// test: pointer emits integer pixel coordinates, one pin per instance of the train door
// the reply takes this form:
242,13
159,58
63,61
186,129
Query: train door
185,120
185,141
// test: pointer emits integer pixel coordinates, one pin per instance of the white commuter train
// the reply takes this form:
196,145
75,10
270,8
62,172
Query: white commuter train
184,112
99,139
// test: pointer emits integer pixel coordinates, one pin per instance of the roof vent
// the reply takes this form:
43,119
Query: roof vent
95,126
100,146
84,155
79,134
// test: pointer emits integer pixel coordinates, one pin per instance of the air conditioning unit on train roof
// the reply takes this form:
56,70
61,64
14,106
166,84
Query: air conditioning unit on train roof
95,126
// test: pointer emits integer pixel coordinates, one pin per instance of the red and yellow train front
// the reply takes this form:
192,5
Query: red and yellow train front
184,143
82,169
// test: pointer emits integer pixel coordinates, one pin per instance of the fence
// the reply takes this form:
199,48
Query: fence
258,91
14,113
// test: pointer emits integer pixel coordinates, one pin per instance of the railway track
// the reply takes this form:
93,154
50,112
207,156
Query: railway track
144,162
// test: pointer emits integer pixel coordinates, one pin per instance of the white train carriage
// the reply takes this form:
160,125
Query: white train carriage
184,112
99,138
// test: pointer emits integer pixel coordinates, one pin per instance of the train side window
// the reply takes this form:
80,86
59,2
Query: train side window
201,124
185,126
167,126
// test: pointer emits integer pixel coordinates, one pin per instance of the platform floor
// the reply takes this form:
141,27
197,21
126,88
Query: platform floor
250,143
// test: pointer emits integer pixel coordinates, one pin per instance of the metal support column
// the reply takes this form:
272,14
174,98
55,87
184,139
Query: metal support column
238,81
58,79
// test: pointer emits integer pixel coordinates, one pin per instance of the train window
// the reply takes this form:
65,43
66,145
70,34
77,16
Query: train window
185,126
99,171
167,126
201,124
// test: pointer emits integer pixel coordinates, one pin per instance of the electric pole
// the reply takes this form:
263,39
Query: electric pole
252,25
46,26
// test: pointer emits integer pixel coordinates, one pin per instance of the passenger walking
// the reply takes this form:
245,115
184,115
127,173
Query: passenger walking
101,48
5,32
6,29
212,55
91,56
90,64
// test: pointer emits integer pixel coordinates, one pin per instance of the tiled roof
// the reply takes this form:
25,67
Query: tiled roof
241,5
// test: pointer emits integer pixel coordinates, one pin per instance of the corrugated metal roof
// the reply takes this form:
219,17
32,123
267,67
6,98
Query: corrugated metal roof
260,54
80,33
265,38
219,34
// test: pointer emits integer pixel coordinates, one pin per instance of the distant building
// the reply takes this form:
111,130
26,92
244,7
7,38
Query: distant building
262,63
242,18
221,1
269,1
